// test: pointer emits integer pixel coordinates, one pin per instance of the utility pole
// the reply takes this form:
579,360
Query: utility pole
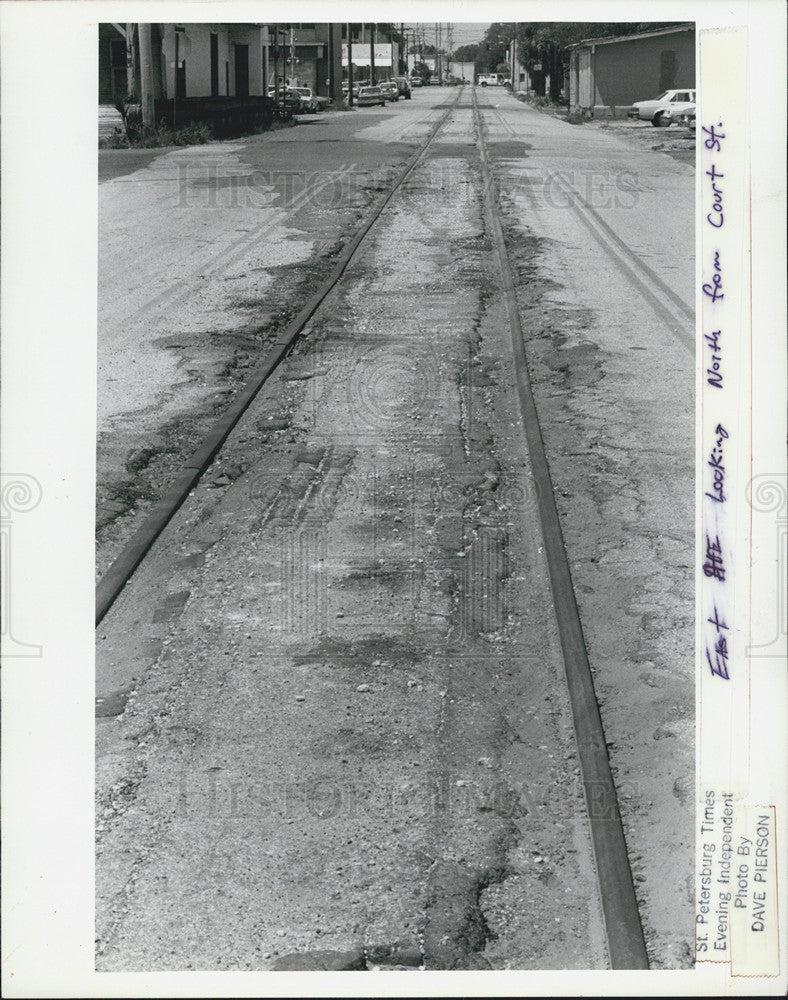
276,63
334,84
330,80
515,67
132,65
146,78
350,65
177,68
403,56
179,30
372,54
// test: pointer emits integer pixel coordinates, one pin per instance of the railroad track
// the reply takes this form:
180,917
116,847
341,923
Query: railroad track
179,291
677,315
124,566
624,934
625,941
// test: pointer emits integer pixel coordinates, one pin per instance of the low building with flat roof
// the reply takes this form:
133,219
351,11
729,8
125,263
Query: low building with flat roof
607,75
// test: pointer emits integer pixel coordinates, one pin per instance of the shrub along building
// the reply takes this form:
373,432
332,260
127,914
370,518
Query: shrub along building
606,75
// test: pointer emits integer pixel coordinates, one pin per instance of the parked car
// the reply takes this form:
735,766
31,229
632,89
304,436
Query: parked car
311,101
403,85
415,81
666,108
289,102
489,80
370,95
684,116
390,90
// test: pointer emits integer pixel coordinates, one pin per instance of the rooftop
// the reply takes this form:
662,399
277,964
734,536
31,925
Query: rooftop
671,29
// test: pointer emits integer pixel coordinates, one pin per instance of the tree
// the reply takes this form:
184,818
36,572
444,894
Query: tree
495,46
466,53
422,70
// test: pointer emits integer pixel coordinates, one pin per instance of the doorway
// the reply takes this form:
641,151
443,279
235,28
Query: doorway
214,65
241,70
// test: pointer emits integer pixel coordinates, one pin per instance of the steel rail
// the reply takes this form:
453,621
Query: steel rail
135,550
625,941
666,303
176,293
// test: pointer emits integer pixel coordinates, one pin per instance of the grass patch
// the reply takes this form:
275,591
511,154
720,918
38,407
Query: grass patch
133,137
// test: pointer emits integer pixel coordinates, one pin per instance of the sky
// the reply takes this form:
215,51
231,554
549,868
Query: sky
464,32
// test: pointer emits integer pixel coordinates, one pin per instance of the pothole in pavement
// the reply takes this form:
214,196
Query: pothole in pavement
112,705
456,931
579,365
454,936
377,650
509,150
380,957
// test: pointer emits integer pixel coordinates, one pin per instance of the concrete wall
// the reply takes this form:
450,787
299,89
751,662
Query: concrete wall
631,71
608,78
463,70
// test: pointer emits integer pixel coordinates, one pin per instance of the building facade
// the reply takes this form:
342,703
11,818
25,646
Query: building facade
221,60
213,60
607,75
367,44
305,55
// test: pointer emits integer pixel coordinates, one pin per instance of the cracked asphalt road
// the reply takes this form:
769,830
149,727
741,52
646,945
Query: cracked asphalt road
332,727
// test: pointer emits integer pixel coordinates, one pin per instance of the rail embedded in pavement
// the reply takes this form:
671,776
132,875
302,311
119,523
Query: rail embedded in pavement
625,941
135,550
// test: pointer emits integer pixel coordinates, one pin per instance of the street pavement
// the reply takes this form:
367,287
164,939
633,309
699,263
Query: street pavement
332,724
